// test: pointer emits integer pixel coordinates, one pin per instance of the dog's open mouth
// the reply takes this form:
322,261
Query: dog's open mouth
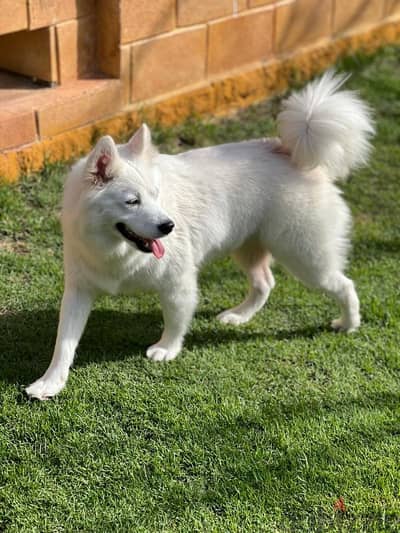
148,246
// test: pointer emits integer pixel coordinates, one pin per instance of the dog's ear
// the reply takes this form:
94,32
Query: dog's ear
102,160
140,144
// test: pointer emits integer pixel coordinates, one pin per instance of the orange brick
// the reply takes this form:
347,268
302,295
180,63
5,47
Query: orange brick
302,22
42,13
14,16
144,18
32,53
71,10
125,73
392,7
76,48
351,15
47,12
78,103
108,36
168,63
240,5
239,40
193,11
13,87
258,3
16,127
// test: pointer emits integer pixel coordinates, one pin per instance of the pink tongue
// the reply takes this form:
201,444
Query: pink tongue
157,248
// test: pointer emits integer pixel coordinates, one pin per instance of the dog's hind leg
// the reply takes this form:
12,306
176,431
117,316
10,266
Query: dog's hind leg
254,261
342,289
321,275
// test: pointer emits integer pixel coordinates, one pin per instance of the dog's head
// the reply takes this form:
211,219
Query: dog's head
123,200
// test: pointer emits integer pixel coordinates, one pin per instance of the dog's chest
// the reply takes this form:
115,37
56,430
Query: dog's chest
125,279
140,281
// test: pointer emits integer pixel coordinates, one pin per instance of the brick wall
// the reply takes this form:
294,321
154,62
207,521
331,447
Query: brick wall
41,38
176,43
121,53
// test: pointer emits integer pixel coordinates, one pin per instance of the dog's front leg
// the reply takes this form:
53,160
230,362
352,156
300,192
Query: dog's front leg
75,309
178,306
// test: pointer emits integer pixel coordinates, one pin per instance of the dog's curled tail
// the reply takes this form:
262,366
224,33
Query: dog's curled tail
322,126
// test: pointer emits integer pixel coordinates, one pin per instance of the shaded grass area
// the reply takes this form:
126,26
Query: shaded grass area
256,428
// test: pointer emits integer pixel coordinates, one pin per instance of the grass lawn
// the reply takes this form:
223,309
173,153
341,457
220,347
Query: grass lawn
257,428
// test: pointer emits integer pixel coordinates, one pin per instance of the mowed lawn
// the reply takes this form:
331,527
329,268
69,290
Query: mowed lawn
257,428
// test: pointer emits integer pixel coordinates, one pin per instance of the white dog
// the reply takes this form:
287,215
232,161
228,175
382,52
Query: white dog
254,200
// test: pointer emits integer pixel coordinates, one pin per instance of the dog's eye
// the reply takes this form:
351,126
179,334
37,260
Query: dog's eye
133,201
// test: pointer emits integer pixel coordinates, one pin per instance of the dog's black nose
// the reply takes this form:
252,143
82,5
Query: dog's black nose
166,227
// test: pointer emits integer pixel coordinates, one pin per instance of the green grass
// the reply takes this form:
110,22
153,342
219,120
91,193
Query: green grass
256,428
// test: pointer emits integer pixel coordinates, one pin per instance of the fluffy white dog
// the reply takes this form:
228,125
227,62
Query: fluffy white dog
254,200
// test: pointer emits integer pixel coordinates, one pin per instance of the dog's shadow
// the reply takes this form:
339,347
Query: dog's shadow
27,338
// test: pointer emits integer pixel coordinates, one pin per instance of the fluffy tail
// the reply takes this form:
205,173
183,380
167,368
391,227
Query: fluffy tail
322,126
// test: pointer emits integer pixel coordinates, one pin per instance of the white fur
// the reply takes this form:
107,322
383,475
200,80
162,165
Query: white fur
323,126
252,199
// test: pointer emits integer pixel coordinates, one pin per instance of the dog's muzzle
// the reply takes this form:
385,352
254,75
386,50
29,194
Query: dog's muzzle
147,246
166,227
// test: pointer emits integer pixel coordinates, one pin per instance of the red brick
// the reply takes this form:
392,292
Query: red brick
16,127
193,11
145,18
78,103
302,22
240,40
76,48
351,15
14,16
168,63
32,53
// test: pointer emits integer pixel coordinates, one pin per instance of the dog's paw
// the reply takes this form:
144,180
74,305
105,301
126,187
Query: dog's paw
230,317
158,352
45,387
342,326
